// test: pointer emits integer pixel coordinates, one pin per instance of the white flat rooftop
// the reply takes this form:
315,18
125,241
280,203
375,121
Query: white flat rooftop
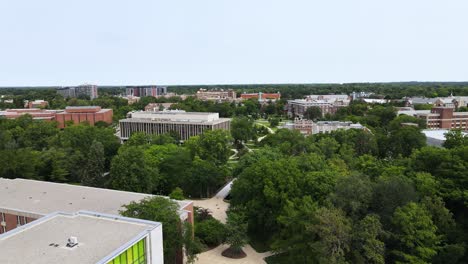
438,134
175,116
44,241
40,197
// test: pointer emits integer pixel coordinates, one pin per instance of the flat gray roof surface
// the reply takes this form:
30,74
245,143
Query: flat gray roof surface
97,238
46,197
148,120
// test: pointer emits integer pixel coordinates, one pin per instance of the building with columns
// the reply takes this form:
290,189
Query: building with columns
185,124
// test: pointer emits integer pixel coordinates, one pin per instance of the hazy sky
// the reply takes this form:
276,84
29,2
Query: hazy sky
66,42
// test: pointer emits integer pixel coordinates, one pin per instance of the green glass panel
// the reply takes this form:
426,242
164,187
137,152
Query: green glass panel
133,255
135,252
141,247
130,255
123,257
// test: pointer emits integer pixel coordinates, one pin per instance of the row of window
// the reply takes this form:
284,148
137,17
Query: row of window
20,220
135,254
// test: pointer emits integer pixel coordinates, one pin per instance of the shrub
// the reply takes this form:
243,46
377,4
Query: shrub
211,232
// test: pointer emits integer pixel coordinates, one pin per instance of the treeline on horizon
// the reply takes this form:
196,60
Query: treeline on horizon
391,90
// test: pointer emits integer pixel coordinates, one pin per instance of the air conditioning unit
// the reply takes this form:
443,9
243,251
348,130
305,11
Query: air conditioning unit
72,241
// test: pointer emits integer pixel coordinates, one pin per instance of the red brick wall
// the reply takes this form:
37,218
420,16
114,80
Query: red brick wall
89,116
11,221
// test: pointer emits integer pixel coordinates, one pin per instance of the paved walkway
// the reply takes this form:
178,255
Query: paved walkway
217,206
234,156
271,131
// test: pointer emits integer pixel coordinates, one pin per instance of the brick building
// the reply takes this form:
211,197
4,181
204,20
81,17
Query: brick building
35,113
261,97
36,104
80,114
328,104
23,201
75,114
444,118
216,95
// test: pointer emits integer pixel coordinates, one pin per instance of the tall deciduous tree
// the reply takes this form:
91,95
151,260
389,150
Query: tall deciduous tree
353,195
93,172
416,234
242,129
236,231
455,138
130,172
367,245
213,146
313,113
312,234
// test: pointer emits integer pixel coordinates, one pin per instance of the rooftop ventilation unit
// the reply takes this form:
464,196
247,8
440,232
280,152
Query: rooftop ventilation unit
72,241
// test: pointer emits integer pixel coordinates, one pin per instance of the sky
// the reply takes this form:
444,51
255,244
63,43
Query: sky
123,42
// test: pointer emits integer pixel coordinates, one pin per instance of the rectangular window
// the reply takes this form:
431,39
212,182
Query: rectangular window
135,254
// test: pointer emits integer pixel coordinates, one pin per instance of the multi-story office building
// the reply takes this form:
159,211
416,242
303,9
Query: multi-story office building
73,114
328,104
445,118
185,124
83,237
216,95
147,90
261,97
86,91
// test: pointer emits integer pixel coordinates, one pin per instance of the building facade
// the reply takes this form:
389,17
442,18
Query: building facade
147,90
444,118
185,124
216,95
73,114
450,101
36,104
261,97
24,201
328,104
80,114
309,127
86,91
35,113
84,237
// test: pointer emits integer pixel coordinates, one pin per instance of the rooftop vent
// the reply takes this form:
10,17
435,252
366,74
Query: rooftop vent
72,241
